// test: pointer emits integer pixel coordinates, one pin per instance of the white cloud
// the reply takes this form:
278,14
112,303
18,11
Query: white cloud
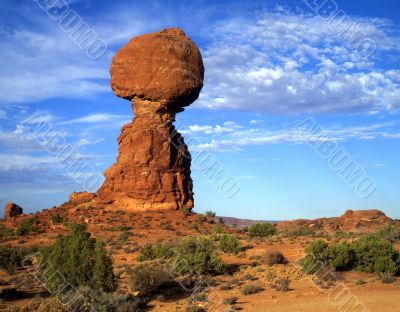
3,114
85,142
290,63
227,127
244,137
94,118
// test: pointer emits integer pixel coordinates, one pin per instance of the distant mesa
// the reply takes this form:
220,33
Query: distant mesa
11,211
160,73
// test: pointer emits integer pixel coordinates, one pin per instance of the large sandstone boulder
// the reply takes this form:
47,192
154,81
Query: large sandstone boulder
159,73
164,67
371,219
12,210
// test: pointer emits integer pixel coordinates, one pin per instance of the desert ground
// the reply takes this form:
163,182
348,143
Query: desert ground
124,233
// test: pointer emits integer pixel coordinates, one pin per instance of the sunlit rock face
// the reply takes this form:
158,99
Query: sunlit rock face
160,73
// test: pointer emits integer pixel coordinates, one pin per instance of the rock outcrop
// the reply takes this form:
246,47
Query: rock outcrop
78,198
12,210
160,73
355,221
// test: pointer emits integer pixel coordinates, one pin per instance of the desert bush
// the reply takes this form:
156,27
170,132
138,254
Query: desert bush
5,232
388,278
261,230
251,289
27,226
194,308
282,284
198,255
298,231
219,229
375,255
275,257
230,300
100,301
166,226
81,260
229,243
315,256
198,297
340,256
57,219
10,259
157,251
123,237
210,215
367,254
390,233
147,278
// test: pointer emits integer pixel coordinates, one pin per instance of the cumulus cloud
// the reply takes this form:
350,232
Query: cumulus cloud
288,63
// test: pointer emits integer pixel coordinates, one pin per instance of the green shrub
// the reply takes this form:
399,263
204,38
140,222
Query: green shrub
367,254
147,278
10,259
210,215
57,219
340,256
261,230
390,233
298,231
5,232
275,257
315,256
27,226
229,243
158,251
81,260
372,253
198,255
219,229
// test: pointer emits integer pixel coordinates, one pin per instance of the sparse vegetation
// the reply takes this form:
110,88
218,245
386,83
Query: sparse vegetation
210,215
229,243
157,251
281,284
81,260
147,278
10,259
367,254
261,230
198,255
27,226
57,219
390,233
298,231
251,289
275,257
5,232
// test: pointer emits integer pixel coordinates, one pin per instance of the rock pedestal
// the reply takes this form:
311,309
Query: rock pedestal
12,210
159,73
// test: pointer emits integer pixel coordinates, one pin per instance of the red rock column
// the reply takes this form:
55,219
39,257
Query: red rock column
160,73
152,171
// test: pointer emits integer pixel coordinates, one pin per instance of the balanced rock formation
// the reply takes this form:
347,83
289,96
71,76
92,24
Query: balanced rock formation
160,73
12,210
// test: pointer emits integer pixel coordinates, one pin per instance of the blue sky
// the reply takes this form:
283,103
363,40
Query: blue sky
270,65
